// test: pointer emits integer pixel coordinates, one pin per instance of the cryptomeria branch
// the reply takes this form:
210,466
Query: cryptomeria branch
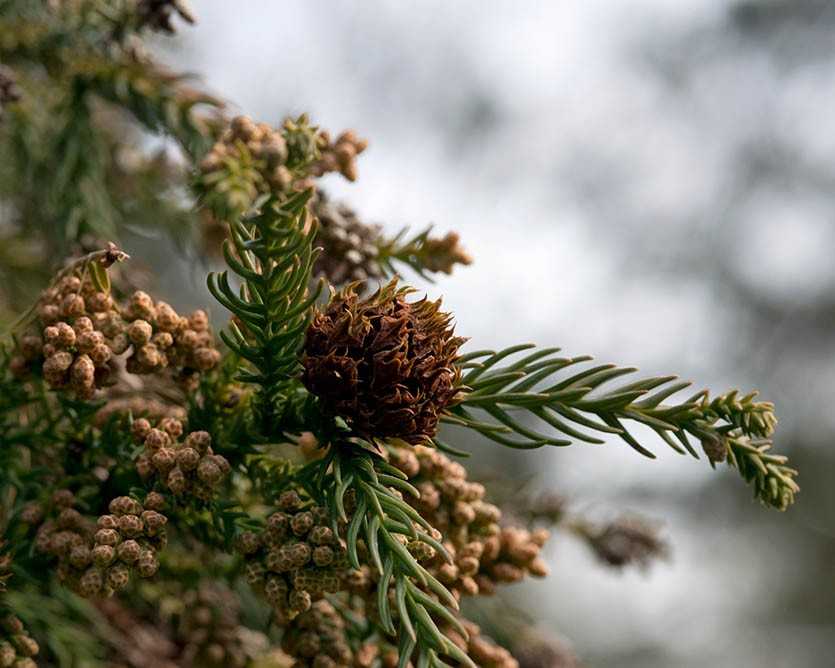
728,427
272,253
423,253
388,526
158,99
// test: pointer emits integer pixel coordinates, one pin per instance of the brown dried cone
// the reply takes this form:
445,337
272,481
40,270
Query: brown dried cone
210,630
16,646
296,559
158,14
349,246
624,542
77,333
162,339
385,365
187,467
318,638
454,506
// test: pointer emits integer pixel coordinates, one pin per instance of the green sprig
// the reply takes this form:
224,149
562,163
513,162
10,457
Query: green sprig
386,524
272,253
421,252
577,407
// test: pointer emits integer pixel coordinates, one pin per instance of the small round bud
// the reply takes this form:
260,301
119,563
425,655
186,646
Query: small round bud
130,525
248,543
156,439
128,551
199,440
103,555
188,459
118,577
208,471
289,500
63,498
154,522
91,583
140,429
154,501
147,564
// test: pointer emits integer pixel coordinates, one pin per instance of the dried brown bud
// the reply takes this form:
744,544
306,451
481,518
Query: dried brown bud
387,366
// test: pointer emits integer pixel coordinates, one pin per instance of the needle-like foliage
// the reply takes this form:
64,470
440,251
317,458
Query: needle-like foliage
581,404
386,524
272,253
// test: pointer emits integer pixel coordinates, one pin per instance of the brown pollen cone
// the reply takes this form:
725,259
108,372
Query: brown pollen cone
383,364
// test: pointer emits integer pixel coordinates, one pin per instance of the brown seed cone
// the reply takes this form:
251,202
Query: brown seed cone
349,246
627,541
385,365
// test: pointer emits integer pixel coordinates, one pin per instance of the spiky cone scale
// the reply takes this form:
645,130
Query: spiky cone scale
383,364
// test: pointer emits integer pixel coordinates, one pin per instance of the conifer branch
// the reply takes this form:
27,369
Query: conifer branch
272,253
387,528
422,253
728,427
158,99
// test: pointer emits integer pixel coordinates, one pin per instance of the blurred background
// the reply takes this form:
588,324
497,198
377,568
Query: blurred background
647,182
